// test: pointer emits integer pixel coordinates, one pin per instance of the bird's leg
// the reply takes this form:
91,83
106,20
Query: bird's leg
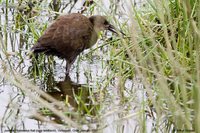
68,66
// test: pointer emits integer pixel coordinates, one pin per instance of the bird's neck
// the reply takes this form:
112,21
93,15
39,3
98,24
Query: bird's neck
97,29
93,39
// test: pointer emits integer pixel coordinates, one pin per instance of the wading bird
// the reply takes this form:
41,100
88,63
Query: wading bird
69,35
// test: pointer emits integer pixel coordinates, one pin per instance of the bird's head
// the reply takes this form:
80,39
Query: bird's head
100,24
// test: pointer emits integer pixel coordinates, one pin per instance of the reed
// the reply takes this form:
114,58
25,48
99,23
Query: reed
144,81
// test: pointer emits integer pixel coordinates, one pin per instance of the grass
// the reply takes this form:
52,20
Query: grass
146,81
167,61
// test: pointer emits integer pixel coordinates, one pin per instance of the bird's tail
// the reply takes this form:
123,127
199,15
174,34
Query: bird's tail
38,49
35,50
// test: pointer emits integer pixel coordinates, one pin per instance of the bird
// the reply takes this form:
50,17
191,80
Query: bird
71,34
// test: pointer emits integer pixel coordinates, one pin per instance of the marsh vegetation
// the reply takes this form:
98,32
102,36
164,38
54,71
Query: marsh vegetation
145,81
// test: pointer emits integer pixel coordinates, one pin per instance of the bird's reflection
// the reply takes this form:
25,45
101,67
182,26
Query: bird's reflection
68,91
76,98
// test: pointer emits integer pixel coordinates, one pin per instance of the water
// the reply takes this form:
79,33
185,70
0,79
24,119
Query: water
103,105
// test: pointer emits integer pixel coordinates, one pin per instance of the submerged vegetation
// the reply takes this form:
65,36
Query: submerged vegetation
145,81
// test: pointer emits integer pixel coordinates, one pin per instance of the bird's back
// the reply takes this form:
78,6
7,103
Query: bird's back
66,37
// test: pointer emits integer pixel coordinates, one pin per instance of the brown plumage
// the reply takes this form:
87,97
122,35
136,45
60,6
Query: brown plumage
69,35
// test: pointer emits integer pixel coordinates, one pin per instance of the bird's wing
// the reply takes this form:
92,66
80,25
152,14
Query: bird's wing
66,37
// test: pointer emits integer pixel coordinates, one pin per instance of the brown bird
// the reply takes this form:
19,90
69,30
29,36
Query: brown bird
69,35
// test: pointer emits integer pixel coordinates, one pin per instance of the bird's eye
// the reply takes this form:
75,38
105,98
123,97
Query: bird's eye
105,22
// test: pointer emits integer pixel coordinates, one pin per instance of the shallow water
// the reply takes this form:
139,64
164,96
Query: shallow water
89,74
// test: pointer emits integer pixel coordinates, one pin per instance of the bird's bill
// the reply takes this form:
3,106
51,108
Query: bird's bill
112,29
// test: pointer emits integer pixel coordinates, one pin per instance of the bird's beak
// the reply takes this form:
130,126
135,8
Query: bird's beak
112,29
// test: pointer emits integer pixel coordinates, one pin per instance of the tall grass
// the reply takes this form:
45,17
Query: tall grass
150,77
164,53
